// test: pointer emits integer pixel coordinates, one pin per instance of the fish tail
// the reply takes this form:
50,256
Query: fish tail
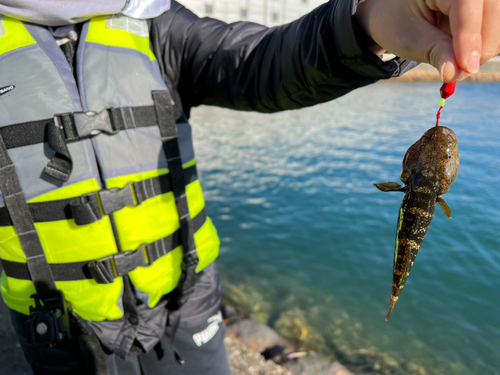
394,299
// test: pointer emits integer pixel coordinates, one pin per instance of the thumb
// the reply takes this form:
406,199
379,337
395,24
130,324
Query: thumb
440,54
402,28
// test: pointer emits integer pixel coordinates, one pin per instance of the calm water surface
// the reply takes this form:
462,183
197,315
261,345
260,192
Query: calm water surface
303,228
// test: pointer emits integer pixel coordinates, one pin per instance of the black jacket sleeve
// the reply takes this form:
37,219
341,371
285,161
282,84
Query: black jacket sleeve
247,66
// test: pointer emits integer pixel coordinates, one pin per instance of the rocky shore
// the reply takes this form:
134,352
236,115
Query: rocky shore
255,348
302,337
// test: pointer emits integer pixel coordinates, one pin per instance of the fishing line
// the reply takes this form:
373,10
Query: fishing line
447,90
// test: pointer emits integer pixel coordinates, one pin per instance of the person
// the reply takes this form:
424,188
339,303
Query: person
107,251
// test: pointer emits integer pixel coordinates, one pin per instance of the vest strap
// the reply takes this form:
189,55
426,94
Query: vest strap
87,210
79,125
20,215
105,270
61,165
168,131
70,127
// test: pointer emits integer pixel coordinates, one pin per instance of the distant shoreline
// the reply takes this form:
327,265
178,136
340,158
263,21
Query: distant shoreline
490,72
424,76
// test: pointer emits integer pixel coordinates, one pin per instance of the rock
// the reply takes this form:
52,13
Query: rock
292,324
255,335
249,300
339,369
243,361
316,364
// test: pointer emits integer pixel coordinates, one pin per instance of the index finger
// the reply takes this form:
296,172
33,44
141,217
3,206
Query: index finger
466,18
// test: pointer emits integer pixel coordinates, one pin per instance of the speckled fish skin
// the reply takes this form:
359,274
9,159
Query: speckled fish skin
429,168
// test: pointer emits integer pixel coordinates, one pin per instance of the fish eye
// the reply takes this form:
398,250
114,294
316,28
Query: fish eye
447,156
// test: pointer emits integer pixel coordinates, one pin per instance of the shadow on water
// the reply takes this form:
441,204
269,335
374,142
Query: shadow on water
305,235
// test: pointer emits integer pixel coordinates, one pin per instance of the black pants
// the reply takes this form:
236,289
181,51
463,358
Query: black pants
199,339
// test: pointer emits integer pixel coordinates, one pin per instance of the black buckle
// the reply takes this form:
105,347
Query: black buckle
92,123
105,270
48,321
85,209
115,199
66,121
187,282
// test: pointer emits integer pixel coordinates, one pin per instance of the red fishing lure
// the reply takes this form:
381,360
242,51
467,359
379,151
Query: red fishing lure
447,90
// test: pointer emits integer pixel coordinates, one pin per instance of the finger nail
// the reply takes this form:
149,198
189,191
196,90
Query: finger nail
446,67
473,63
442,66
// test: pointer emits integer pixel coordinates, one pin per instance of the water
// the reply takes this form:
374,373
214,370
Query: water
305,234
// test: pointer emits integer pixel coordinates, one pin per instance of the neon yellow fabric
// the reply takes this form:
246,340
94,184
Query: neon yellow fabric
70,191
207,244
157,218
16,293
159,278
66,242
99,33
93,301
88,299
16,36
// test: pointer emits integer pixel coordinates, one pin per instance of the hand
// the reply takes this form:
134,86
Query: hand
455,36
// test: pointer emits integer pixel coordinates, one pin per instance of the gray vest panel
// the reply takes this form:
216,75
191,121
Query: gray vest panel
138,150
47,43
105,86
39,91
30,161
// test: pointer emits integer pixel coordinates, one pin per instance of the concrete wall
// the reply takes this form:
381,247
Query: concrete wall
267,12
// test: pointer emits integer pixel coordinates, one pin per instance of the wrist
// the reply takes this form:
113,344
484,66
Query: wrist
361,27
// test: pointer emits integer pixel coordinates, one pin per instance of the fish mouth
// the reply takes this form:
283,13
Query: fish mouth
442,133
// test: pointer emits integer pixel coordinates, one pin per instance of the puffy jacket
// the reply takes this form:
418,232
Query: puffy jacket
242,66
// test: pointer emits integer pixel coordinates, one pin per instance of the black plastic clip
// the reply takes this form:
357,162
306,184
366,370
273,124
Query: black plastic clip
67,122
105,270
85,209
115,199
91,123
48,321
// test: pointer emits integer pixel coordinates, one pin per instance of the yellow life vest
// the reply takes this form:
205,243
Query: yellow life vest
104,202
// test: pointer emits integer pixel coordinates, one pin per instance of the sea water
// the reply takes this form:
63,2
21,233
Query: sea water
306,235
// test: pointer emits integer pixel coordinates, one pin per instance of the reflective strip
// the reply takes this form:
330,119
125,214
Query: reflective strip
2,27
99,33
15,36
131,25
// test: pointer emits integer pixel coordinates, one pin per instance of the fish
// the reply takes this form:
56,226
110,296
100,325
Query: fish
429,168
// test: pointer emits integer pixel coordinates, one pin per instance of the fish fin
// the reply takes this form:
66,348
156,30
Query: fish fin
389,186
394,299
444,206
